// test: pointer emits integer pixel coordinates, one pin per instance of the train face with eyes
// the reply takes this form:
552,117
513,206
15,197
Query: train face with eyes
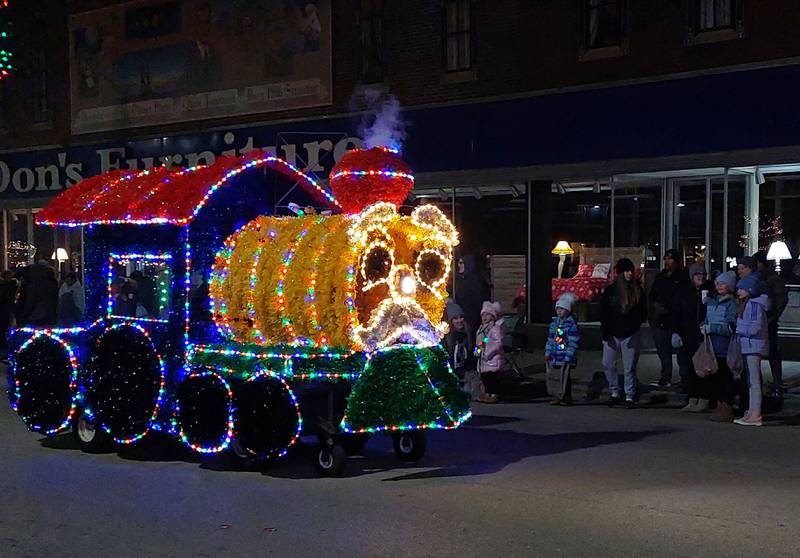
327,324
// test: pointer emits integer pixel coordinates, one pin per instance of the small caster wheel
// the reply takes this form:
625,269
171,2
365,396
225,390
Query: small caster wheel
354,443
331,460
242,458
409,446
91,438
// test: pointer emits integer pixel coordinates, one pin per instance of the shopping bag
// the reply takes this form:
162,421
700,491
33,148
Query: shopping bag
556,380
704,361
734,357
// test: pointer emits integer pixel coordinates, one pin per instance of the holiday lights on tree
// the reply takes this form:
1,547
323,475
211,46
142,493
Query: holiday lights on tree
6,53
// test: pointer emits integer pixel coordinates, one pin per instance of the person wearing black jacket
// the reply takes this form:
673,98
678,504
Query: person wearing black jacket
688,312
623,308
662,293
8,295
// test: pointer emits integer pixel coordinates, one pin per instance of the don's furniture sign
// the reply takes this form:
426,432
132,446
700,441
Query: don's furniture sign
147,63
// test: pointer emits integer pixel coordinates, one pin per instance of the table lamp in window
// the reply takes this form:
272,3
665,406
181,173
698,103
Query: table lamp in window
778,251
561,250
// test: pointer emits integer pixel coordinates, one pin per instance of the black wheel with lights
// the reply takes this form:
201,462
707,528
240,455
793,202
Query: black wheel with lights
204,403
90,437
267,418
409,446
42,383
353,444
330,460
125,380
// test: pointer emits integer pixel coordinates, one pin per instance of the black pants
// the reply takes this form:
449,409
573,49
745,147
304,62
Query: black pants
774,350
697,387
490,382
722,386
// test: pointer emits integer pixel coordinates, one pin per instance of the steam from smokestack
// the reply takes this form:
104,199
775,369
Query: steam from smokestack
387,128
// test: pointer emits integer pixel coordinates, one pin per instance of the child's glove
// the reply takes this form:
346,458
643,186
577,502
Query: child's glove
705,329
677,342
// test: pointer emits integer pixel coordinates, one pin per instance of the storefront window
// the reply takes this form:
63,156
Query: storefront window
26,242
779,202
492,228
583,219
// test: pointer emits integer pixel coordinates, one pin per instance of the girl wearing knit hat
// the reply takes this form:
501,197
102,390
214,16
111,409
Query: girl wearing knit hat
489,349
753,337
719,324
560,352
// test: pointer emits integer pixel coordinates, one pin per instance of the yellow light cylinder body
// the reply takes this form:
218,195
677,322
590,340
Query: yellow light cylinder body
287,280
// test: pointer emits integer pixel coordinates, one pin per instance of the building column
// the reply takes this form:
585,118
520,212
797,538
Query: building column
751,210
540,210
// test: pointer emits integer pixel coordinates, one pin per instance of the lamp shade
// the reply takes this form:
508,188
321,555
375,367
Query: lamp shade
778,251
562,248
60,255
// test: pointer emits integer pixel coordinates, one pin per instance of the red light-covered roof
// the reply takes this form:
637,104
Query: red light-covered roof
159,195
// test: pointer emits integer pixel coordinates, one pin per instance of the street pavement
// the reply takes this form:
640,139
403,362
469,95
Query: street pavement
519,479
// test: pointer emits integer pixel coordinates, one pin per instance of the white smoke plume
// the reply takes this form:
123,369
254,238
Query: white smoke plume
384,127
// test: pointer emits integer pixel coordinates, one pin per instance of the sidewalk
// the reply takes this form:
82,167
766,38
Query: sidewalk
531,385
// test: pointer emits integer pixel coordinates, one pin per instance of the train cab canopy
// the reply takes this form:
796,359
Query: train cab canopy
160,196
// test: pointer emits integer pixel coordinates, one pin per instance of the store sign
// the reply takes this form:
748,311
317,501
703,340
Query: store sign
37,174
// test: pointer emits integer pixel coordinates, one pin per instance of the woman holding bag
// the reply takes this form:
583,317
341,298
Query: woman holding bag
719,324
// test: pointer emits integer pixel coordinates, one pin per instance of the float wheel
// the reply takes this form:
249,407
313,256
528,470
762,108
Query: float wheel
409,446
90,437
43,383
330,460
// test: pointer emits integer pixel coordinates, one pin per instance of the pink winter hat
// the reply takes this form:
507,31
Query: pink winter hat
492,308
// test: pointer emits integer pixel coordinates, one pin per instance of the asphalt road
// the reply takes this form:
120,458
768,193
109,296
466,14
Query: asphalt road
518,480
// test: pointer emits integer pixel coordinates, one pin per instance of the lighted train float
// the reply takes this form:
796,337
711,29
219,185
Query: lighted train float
211,318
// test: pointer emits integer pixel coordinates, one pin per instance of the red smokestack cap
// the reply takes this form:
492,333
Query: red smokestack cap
366,176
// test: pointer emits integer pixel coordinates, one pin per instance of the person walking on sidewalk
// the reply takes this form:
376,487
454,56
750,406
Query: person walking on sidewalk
489,349
561,349
719,325
753,335
688,313
623,308
778,299
662,294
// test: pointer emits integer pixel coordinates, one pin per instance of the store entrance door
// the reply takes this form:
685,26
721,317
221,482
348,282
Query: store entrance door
708,219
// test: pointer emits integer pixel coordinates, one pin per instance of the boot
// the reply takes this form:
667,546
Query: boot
724,413
689,408
701,407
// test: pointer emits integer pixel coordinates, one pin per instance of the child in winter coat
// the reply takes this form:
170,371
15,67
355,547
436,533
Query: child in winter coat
719,324
458,341
561,349
489,349
753,335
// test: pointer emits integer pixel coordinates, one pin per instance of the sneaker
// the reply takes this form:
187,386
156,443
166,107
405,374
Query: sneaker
566,402
702,406
662,383
614,400
749,420
691,406
630,404
555,402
